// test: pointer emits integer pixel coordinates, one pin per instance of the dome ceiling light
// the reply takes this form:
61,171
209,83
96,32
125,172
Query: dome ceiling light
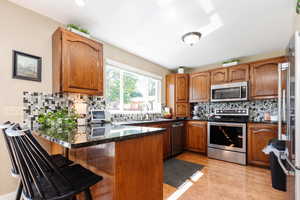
80,3
191,38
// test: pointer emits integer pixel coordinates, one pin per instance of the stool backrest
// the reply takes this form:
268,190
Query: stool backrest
39,175
15,171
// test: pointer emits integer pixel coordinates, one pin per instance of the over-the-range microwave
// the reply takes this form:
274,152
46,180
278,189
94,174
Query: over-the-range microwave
229,92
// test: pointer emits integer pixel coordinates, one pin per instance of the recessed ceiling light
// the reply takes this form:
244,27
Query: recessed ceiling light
80,3
191,38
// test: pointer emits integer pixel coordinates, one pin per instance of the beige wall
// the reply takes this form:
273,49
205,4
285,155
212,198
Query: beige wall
242,60
297,23
26,31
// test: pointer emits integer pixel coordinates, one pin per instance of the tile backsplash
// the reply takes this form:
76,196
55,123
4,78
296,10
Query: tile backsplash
35,103
257,108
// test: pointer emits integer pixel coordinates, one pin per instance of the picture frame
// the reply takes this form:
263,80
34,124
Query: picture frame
26,66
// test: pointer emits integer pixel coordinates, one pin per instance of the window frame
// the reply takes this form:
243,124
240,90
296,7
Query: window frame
123,68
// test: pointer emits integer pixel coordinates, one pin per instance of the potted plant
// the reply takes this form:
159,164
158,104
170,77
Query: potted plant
77,29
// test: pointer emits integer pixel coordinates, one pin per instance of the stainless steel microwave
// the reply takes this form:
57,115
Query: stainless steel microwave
229,92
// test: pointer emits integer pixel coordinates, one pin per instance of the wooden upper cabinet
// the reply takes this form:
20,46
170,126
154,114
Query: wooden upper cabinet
182,109
182,87
259,136
264,78
219,76
170,90
77,64
238,73
196,136
199,87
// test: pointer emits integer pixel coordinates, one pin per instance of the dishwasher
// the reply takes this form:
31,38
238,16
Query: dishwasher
177,138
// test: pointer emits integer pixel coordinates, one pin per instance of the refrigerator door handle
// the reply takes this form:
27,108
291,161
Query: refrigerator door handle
279,102
281,157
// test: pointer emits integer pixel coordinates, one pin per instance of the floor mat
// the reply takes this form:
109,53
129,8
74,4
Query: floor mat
176,172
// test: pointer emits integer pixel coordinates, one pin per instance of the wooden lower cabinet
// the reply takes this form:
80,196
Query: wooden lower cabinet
196,136
166,136
259,136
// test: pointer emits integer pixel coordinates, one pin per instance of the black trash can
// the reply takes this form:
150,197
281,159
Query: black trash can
277,174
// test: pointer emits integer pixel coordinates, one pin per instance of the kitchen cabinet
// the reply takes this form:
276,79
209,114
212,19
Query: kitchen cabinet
239,73
196,136
264,78
177,89
77,63
259,136
182,88
166,135
199,87
219,76
182,109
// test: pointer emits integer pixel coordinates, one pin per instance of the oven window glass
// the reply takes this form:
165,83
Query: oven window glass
227,93
226,136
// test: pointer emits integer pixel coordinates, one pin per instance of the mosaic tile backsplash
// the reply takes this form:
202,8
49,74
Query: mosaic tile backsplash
36,103
257,108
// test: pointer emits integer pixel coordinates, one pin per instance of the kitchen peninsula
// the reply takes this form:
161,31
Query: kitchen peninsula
130,158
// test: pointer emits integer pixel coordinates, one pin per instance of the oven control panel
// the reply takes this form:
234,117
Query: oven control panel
237,112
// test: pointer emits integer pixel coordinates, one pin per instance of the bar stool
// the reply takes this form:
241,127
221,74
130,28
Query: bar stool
59,160
41,178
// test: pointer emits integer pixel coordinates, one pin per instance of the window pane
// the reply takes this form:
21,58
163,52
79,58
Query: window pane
113,88
152,87
132,96
129,91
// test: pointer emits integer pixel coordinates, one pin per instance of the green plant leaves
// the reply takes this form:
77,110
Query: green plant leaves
59,118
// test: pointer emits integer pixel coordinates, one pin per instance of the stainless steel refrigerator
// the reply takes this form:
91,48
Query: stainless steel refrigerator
289,117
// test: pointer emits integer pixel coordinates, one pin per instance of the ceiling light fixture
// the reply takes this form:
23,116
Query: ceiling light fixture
191,38
80,3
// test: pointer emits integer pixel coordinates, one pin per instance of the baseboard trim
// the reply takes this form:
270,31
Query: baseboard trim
9,196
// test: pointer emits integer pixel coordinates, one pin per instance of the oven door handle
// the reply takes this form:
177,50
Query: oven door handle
227,124
263,130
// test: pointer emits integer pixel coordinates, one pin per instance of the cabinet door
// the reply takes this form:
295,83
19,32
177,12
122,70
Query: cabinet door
166,137
167,140
82,65
259,136
219,76
196,138
238,73
182,85
199,87
264,78
182,109
170,92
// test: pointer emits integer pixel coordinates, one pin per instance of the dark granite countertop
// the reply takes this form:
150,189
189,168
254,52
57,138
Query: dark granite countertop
160,120
85,136
264,122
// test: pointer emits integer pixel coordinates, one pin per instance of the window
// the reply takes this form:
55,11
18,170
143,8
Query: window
127,91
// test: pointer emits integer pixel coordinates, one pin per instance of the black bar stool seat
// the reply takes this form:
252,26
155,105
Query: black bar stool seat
60,160
80,178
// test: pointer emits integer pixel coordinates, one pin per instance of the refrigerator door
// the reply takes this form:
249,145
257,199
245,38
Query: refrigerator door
293,117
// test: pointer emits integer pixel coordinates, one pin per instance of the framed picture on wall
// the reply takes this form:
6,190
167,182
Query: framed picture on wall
27,67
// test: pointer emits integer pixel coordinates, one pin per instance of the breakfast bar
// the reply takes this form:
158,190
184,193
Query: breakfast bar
130,158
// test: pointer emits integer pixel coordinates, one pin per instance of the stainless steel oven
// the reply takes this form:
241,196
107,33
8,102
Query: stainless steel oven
229,92
227,135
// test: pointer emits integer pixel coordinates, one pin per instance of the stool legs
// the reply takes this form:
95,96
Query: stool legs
19,191
87,194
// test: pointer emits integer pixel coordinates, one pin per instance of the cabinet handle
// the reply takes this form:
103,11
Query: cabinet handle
263,130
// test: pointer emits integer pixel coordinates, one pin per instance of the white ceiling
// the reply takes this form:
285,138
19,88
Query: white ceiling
153,28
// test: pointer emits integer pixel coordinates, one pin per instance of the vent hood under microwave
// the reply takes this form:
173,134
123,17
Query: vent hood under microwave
229,92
